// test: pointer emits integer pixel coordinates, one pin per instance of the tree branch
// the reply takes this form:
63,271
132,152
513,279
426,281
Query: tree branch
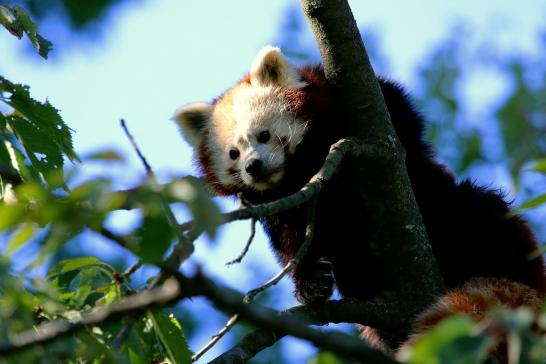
247,245
56,329
401,236
376,314
230,300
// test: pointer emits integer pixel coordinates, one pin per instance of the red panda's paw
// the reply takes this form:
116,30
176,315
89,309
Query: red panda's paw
319,286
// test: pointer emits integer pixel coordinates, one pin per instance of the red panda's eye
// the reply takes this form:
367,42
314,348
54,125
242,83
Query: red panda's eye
234,154
264,136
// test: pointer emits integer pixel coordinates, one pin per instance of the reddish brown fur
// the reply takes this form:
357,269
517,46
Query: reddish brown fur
475,299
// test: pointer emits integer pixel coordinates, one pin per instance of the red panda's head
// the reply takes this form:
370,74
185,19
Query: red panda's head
245,137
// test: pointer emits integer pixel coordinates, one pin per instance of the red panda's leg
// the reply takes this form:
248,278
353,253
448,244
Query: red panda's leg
315,283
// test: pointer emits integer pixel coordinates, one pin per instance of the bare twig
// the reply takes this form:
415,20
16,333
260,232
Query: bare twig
147,166
52,330
132,269
247,245
309,233
209,345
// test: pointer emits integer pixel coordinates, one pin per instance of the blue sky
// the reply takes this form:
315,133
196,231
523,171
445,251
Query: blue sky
158,55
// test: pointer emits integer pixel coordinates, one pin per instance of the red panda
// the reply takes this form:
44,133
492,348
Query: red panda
267,135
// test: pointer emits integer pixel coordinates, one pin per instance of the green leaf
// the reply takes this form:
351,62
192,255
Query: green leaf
10,215
44,155
540,166
2,123
9,167
193,192
17,22
470,150
20,237
7,19
534,202
81,293
157,236
39,127
68,265
451,341
43,115
106,155
171,337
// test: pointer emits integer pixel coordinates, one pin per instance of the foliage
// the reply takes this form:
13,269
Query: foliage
43,207
79,14
39,211
516,120
17,22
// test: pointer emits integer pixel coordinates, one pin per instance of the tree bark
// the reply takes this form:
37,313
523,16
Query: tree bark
384,183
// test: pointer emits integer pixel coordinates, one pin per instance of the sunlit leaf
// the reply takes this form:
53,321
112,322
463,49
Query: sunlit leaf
205,213
43,154
68,265
534,202
171,337
44,135
451,341
10,215
21,236
540,166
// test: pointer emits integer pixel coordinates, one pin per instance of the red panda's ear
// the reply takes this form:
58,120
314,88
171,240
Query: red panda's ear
192,120
271,68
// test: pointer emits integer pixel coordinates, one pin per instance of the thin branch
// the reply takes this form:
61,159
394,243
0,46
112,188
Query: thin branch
247,245
132,269
377,314
124,332
209,345
309,233
230,300
132,140
52,330
249,297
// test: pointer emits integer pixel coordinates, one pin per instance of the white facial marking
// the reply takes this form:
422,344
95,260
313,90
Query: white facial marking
237,124
245,111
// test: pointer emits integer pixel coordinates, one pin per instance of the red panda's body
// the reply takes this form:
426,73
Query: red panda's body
469,230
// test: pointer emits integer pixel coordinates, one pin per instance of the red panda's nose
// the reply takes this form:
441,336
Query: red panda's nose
254,167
